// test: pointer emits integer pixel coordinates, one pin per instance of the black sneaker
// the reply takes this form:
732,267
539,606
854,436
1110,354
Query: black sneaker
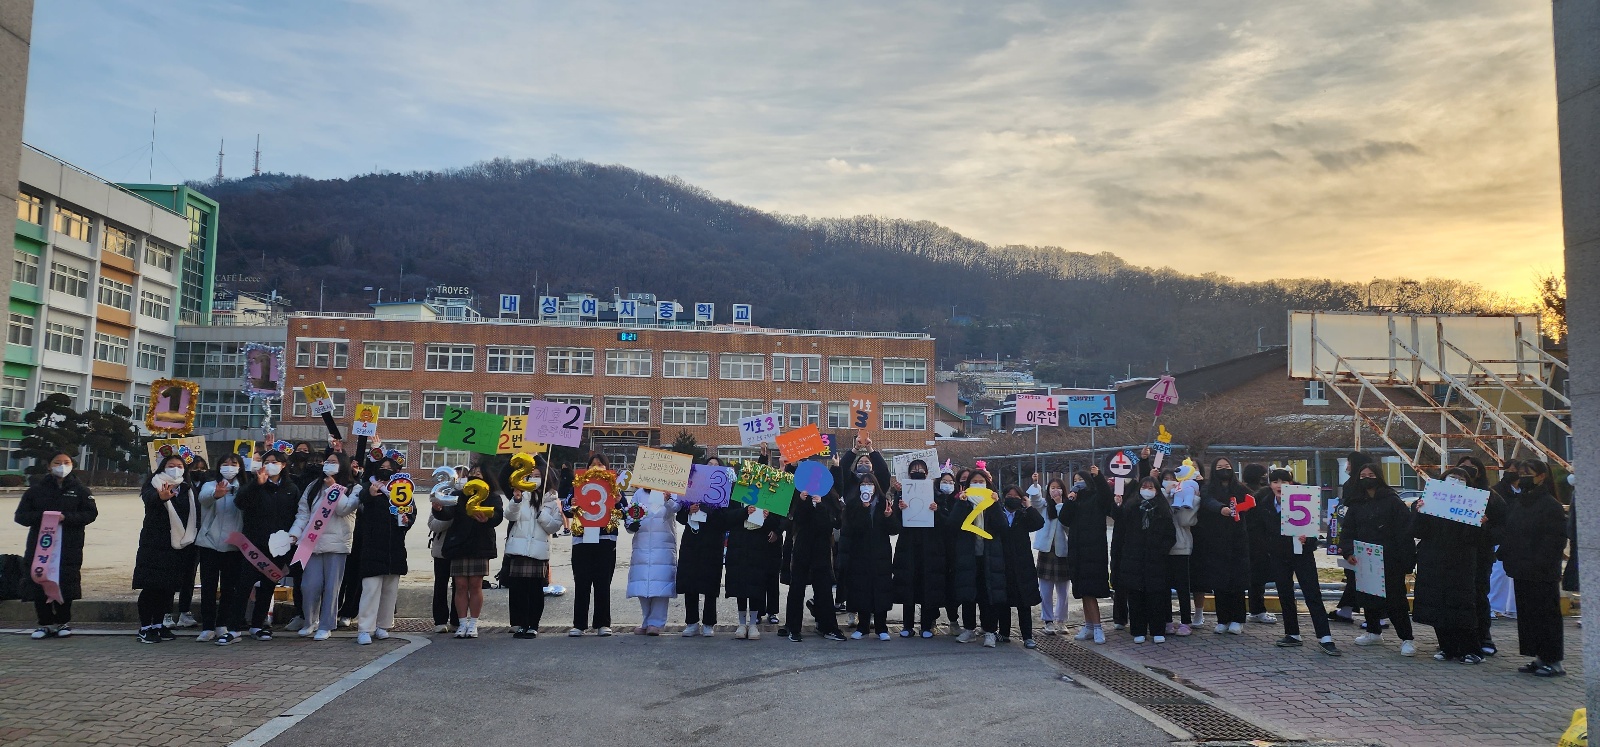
794,637
1550,670
833,635
1334,616
1290,642
1471,659
149,636
1488,649
166,633
783,632
262,634
1003,638
227,639
1530,667
1330,649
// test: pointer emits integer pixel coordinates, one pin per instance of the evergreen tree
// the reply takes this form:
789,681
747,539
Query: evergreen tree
53,427
112,436
685,444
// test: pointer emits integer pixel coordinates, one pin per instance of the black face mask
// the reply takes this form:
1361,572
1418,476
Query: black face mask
1013,503
1526,483
862,469
1225,475
1369,482
919,475
383,474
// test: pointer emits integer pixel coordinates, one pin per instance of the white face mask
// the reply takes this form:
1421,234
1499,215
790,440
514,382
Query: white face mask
977,486
1172,487
228,471
866,493
273,468
1455,480
534,481
330,468
1147,494
1055,492
61,470
252,465
947,487
175,473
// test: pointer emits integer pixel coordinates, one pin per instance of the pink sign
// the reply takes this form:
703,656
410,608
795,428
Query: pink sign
556,423
47,557
321,514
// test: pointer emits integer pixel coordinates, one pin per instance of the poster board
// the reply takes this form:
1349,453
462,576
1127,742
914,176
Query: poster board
657,469
900,464
470,430
318,399
800,443
861,407
172,406
710,486
765,488
365,422
188,447
1369,568
1300,515
759,429
918,496
556,423
1448,500
263,370
1038,409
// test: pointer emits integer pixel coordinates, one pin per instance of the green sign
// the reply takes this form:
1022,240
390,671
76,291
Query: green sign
470,430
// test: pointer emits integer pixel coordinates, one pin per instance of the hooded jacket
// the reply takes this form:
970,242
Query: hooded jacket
78,510
339,531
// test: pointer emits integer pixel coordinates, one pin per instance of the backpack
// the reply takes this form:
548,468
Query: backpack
12,575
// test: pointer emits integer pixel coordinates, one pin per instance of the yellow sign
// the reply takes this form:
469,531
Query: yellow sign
245,449
512,432
1163,435
318,399
366,422
985,500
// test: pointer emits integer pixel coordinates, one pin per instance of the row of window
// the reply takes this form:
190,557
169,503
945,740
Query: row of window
75,282
14,397
399,356
112,239
626,410
65,338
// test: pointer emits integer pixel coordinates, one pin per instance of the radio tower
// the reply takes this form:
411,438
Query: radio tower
257,170
219,160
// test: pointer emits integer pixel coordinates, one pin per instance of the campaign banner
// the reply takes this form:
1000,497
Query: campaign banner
667,471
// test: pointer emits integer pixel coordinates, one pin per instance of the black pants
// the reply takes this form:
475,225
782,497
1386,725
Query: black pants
969,616
1480,598
771,601
1149,611
1119,605
593,565
1457,642
350,590
1178,575
930,616
821,608
1347,598
190,558
1395,608
1302,567
1000,617
217,588
1258,598
444,603
697,611
51,613
1539,619
153,605
297,592
247,581
876,621
527,601
1230,606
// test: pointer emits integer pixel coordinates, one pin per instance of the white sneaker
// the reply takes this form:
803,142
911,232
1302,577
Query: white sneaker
1049,627
1138,639
1117,626
168,621
187,620
43,633
364,639
343,622
297,623
604,632
1199,618
743,631
441,628
1099,634
883,636
1236,628
472,627
381,634
575,633
856,636
322,635
988,640
206,636
754,633
965,636
1264,617
306,632
1407,648
1369,639
1159,639
64,631
691,630
1084,633
706,631
1221,628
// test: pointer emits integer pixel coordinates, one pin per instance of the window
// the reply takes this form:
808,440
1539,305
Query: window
1316,393
119,242
13,398
69,280
387,356
796,414
301,411
141,405
322,353
450,357
433,457
11,457
434,404
507,404
47,388
797,367
684,411
228,409
628,363
628,410
208,360
392,405
30,209
20,330
573,399
735,454
740,367
63,338
157,254
155,305
904,371
72,224
116,294
569,361
839,415
152,357
512,360
686,365
850,370
905,417
25,268
104,399
731,411
110,348
192,279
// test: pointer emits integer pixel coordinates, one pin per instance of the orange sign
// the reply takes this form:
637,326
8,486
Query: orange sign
860,411
800,443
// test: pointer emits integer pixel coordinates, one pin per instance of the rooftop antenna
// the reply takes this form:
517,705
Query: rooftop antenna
219,160
151,175
257,171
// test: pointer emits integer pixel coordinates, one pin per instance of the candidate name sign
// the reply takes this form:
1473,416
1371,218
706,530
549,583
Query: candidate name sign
1092,411
1448,500
1037,409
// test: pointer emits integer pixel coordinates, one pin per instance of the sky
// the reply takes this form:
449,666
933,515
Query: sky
1252,138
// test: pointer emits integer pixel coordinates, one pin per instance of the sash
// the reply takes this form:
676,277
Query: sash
321,513
256,558
47,557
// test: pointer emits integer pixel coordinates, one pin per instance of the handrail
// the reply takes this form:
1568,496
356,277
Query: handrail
720,328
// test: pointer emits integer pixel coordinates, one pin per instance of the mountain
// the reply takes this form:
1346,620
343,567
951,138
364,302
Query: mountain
572,226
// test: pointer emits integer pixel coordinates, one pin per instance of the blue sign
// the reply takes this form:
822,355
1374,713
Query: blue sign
1092,411
741,313
705,312
547,305
629,309
667,311
510,304
589,308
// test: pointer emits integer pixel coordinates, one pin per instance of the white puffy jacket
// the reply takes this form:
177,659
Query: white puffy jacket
653,571
339,532
219,517
530,531
1053,537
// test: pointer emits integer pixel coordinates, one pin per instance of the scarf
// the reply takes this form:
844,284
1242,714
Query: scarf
1146,508
182,532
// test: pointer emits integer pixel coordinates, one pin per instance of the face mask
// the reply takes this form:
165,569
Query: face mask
330,468
866,490
1147,494
228,471
862,469
1013,503
1455,481
252,465
175,473
61,470
919,475
273,468
1526,483
1078,487
947,487
1369,482
977,486
1055,492
1172,487
534,481
1224,474
383,475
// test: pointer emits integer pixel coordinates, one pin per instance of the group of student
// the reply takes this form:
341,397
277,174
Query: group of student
1175,533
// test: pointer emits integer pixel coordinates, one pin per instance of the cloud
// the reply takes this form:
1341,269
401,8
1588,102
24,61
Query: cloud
1251,137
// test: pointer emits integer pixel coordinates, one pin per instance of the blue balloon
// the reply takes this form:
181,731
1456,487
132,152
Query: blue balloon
813,478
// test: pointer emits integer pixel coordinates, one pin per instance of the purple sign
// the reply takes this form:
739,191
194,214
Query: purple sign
709,486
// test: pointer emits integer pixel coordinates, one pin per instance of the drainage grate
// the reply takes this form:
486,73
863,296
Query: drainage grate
1206,722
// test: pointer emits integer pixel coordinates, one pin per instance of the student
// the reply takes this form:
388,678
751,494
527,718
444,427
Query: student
812,521
1184,493
197,473
750,530
171,524
324,570
534,516
1290,563
445,491
379,552
653,566
699,577
1447,566
219,560
1089,504
1264,534
57,491
919,563
865,554
266,505
1147,539
1494,519
594,563
1050,543
1378,516
470,545
1530,546
951,492
1013,583
1349,494
1223,503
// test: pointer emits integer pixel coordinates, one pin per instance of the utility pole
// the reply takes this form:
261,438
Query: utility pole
219,160
257,170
